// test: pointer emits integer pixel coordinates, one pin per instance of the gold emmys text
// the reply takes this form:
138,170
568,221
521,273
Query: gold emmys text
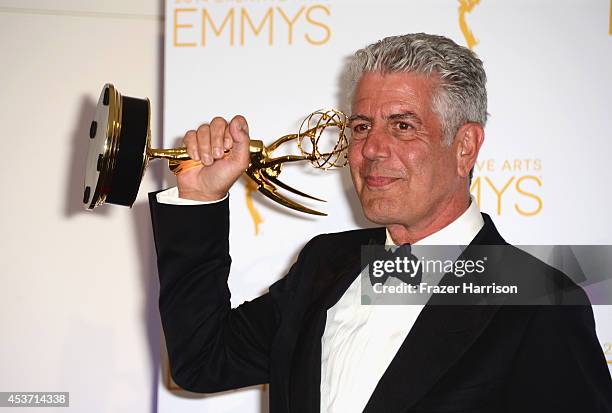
518,184
233,25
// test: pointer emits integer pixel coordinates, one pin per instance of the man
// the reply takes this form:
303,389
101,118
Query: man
418,113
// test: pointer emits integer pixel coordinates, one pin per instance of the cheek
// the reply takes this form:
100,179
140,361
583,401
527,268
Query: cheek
445,164
437,171
354,164
421,170
354,155
417,161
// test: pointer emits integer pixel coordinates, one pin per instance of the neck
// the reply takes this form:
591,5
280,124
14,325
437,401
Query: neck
448,211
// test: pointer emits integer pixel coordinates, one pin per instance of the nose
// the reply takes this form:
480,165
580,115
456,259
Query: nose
376,145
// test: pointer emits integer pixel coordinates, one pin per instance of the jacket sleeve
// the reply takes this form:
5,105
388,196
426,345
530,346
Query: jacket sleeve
211,346
560,366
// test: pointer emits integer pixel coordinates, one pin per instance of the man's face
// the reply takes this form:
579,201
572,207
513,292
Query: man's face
402,170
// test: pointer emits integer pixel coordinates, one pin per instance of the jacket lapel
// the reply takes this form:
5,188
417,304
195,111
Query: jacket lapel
437,340
337,271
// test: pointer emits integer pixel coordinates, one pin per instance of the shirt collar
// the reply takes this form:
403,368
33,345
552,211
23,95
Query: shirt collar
459,232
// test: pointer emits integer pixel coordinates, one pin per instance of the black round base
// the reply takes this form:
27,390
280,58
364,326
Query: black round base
129,163
118,145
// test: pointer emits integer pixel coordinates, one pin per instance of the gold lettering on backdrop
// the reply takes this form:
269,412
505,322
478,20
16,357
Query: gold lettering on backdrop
229,17
237,22
325,28
485,165
476,189
529,195
306,23
499,193
521,165
244,16
516,165
466,6
610,29
177,26
290,22
522,185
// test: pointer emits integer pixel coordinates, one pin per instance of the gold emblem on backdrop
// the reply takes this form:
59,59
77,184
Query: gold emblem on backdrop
521,185
465,7
279,23
607,348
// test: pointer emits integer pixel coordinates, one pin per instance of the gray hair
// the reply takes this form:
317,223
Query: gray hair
461,95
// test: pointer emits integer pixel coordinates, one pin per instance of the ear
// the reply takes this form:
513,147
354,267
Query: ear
468,140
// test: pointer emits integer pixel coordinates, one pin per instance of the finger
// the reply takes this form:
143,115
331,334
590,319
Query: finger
190,143
204,149
217,131
227,139
239,131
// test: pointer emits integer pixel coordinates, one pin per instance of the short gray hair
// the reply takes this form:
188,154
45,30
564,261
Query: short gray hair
461,96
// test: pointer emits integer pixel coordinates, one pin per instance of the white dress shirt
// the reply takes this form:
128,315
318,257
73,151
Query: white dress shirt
360,341
171,196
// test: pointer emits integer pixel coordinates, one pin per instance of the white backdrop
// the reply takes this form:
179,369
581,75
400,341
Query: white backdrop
78,290
543,174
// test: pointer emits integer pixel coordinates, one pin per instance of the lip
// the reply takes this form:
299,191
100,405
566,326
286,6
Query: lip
379,181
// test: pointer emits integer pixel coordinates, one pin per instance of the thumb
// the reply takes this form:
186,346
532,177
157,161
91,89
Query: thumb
239,131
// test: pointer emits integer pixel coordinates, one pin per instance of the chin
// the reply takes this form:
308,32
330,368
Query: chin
378,212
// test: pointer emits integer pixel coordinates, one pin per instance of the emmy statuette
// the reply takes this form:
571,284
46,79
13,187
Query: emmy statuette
120,150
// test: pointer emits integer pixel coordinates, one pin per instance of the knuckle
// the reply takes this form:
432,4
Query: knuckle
218,121
217,141
217,128
190,140
203,129
189,136
203,143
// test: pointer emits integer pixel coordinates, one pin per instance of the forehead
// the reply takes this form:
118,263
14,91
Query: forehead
382,92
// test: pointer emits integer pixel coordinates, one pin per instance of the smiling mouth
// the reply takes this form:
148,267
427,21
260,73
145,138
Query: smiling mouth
379,181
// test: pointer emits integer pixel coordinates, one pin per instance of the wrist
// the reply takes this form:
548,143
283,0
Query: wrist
200,196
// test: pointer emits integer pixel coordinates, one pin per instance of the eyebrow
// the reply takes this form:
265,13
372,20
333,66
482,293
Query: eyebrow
359,117
405,115
394,116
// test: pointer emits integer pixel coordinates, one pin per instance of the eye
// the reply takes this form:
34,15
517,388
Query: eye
403,126
360,128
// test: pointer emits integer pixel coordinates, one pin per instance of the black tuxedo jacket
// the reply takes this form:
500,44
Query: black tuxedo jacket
481,358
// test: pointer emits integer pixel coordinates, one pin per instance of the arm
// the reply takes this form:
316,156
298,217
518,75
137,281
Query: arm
211,346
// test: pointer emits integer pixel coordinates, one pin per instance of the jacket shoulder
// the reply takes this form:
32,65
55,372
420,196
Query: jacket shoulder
351,238
541,280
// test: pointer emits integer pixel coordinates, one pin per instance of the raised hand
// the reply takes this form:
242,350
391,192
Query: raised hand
219,169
